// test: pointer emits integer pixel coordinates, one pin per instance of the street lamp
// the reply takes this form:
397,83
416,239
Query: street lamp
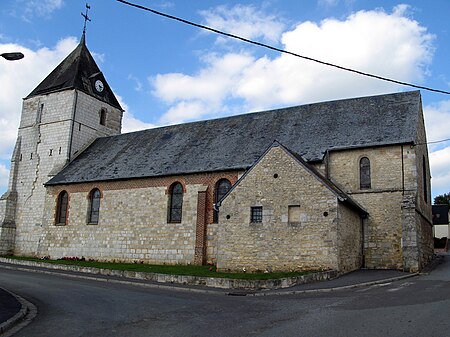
12,56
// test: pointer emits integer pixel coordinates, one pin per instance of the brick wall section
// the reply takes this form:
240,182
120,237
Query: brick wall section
200,233
133,221
275,244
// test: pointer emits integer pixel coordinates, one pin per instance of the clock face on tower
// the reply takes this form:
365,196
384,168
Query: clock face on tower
99,86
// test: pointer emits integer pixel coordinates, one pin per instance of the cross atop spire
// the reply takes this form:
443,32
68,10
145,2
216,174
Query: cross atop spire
86,19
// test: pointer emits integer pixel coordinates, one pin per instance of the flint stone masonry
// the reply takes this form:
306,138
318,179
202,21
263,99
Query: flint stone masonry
275,244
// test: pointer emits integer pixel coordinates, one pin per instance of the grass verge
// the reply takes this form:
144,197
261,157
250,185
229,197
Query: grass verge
204,271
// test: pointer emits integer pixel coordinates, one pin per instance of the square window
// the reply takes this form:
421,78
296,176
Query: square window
294,214
256,214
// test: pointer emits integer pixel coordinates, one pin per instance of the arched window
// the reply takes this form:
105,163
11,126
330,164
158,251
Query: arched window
175,203
62,207
222,187
364,173
424,174
103,116
94,206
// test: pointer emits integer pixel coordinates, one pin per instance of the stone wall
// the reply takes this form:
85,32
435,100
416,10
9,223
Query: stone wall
133,223
394,234
349,239
383,201
278,243
423,199
47,134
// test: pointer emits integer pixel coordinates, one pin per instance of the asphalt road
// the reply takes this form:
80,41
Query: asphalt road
418,306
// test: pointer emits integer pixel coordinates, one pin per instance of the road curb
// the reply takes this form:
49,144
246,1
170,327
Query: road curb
324,290
178,287
185,280
26,313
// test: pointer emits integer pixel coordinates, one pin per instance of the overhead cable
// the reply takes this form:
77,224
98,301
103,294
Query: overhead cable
281,50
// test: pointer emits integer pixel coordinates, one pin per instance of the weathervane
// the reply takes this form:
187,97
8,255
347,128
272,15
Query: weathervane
86,18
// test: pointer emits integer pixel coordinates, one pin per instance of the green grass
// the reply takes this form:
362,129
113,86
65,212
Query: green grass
204,271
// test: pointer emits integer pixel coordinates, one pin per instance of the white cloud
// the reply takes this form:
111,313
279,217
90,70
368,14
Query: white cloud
359,41
129,122
138,84
39,8
439,163
202,94
4,175
186,110
246,21
437,121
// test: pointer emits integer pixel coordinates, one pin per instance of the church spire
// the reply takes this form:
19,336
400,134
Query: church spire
86,19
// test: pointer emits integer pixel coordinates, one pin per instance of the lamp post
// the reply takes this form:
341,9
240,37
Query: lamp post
12,56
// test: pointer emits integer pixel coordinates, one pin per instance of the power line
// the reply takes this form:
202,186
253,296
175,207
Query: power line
281,50
434,142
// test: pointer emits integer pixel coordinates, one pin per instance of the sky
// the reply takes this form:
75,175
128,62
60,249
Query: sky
165,72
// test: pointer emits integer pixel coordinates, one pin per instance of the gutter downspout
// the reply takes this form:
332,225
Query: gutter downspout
363,259
403,172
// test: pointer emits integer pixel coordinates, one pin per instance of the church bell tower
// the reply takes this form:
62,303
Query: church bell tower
70,108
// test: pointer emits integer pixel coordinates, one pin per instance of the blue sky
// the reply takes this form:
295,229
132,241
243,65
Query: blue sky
166,72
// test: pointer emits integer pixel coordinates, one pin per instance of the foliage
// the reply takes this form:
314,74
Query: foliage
204,271
443,199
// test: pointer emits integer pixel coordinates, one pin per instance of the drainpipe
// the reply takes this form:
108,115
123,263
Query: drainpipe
403,173
363,260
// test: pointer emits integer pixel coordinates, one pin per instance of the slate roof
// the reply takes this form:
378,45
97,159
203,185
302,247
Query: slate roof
237,142
76,71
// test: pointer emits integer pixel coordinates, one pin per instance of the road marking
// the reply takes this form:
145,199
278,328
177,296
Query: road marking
374,286
401,286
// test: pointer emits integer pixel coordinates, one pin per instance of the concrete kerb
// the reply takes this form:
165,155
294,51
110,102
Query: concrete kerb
323,290
184,287
25,315
221,283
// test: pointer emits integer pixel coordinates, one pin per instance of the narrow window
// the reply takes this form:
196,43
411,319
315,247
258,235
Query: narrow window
103,116
222,188
364,173
256,214
175,203
62,208
39,113
94,206
425,185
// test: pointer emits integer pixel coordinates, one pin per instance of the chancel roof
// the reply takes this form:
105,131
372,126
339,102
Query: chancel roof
76,71
235,143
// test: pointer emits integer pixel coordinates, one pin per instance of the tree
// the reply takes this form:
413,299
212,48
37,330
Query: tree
442,199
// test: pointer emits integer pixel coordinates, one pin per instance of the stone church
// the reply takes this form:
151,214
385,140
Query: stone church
334,185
